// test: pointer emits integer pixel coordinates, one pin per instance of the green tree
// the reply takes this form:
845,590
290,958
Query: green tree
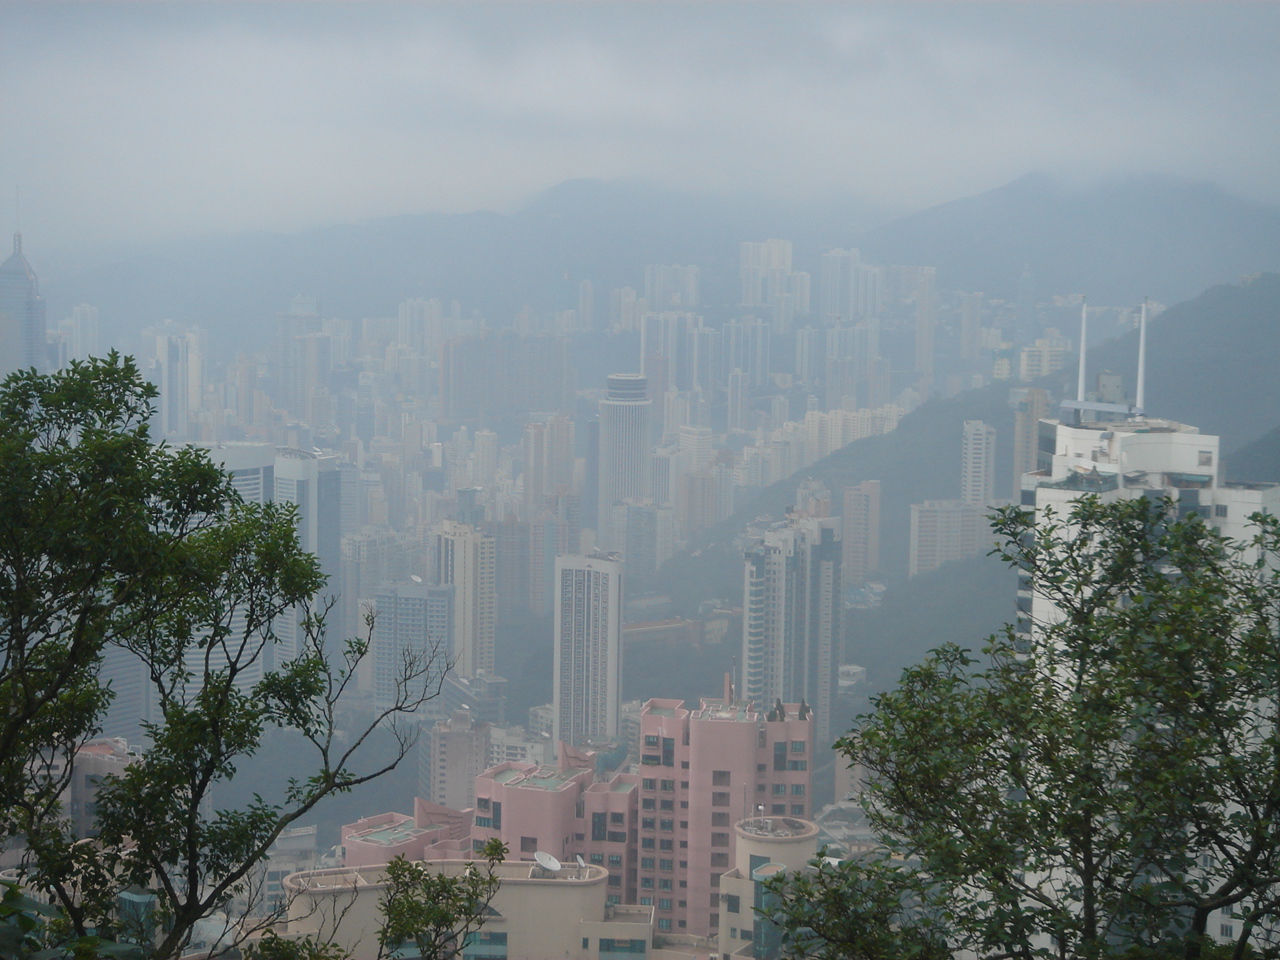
108,541
1099,787
435,912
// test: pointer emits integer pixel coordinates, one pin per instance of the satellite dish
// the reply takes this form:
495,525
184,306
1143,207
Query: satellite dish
415,578
547,862
581,863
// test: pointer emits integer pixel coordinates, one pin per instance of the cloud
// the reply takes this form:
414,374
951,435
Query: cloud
140,121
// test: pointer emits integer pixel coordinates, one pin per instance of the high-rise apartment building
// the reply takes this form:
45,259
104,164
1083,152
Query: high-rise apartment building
624,465
411,619
1030,406
588,648
792,616
978,463
22,315
466,559
860,532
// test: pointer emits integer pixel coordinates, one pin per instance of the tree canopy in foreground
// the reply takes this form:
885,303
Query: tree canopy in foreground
1107,786
110,546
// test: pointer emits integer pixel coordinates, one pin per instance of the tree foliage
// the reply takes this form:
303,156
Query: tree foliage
1098,787
110,543
436,912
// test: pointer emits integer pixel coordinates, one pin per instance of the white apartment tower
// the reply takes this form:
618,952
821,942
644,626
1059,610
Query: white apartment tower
466,559
978,463
588,648
792,617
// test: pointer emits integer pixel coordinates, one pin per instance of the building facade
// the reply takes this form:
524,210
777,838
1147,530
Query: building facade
587,678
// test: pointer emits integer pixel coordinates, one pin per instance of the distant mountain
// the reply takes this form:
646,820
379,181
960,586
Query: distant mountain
492,263
1117,241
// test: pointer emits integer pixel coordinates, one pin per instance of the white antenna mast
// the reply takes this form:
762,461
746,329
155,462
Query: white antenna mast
1140,401
1084,333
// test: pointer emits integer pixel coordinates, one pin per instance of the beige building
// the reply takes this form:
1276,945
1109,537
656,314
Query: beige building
537,914
765,846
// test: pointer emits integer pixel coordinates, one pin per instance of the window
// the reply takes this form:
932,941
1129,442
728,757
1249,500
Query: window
664,883
733,903
664,864
528,844
719,799
1206,458
669,786
477,846
579,837
669,804
715,877
484,822
646,883
616,836
719,839
646,901
614,880
720,778
646,863
759,788
647,823
797,809
779,789
797,746
649,783
647,803
610,945
615,860
720,860
664,903
586,943
797,789
482,803
779,810
664,923
1227,930
761,767
613,898
719,819
1219,510
664,845
650,740
668,751
780,755
667,825
646,843
617,818
798,765
599,826
597,858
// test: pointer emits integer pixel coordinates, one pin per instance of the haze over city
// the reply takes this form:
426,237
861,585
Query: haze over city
677,403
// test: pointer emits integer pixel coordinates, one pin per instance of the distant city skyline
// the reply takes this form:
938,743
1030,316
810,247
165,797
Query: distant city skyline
137,122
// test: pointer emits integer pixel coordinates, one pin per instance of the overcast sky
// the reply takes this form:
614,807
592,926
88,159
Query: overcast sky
147,120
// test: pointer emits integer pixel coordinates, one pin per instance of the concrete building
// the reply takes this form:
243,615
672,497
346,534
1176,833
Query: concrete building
766,846
457,751
623,454
946,530
701,770
23,327
588,648
466,560
536,914
860,532
411,619
978,463
793,616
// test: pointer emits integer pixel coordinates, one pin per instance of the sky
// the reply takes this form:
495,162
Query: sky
135,122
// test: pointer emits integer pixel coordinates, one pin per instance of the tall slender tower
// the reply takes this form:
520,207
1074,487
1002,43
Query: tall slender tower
624,454
22,320
467,559
588,647
978,463
792,611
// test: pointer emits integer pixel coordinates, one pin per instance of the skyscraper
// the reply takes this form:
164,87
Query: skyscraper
411,619
466,559
860,535
792,617
624,453
588,647
978,463
22,320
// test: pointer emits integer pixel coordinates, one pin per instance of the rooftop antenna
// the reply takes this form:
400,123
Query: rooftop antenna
1084,334
1140,401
